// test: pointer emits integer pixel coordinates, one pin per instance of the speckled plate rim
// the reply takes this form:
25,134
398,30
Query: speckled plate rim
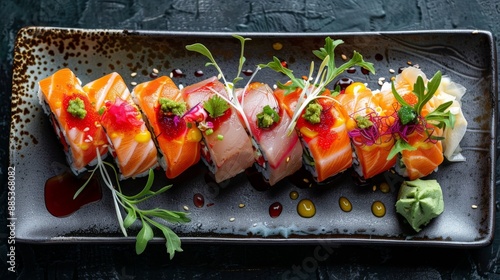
292,240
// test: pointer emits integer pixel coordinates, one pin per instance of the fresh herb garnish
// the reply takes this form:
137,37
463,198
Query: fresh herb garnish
134,213
410,117
177,108
267,117
232,98
216,106
327,72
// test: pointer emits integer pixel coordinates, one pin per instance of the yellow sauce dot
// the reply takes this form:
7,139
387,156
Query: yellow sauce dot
345,204
277,46
194,135
143,137
294,195
58,104
84,146
306,208
378,209
384,187
114,135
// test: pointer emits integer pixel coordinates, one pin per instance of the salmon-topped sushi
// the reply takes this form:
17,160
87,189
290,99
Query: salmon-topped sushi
323,133
369,129
74,119
226,147
420,123
131,143
277,153
178,140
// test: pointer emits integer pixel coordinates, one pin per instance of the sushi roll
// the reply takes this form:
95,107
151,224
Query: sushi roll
178,140
75,121
321,127
277,154
131,143
424,118
226,148
369,119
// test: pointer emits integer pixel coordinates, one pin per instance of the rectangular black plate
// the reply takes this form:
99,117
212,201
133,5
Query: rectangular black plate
467,57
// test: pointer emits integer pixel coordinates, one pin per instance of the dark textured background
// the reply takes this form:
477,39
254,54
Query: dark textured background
241,261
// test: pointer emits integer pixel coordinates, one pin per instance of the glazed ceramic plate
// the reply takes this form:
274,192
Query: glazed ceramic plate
235,211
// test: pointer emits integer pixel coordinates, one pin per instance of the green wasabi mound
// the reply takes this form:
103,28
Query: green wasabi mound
420,201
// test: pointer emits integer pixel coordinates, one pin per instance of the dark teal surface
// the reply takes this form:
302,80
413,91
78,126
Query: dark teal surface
88,261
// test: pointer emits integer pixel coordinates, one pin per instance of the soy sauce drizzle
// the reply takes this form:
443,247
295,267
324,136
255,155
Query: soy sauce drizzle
198,73
198,200
275,209
60,189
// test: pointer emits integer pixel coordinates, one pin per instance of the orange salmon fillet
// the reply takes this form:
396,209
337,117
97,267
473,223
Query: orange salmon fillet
181,152
79,136
131,141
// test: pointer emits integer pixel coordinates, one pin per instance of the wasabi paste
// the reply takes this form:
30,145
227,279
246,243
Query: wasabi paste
420,201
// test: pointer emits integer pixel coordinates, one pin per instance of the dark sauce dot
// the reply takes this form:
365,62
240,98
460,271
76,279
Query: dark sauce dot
400,69
256,179
275,210
284,63
378,57
364,71
153,75
343,83
198,73
351,70
198,200
177,73
60,189
247,72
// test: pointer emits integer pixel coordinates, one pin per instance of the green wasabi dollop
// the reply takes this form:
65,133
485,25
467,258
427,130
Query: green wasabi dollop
420,201
313,113
171,106
76,108
363,122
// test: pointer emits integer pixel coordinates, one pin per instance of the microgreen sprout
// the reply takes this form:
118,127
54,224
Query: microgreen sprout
130,204
312,88
232,97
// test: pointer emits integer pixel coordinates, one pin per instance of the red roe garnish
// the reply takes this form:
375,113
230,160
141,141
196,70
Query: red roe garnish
325,135
410,98
171,125
88,122
122,115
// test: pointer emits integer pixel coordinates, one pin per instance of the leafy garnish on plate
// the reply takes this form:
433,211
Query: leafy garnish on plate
232,98
327,72
410,116
146,216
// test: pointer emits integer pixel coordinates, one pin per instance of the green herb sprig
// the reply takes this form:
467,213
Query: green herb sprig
130,204
411,114
232,98
327,72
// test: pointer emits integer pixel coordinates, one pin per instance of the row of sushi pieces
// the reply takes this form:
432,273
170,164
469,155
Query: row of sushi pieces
159,124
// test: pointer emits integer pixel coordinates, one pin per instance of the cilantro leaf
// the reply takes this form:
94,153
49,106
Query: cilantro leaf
215,106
